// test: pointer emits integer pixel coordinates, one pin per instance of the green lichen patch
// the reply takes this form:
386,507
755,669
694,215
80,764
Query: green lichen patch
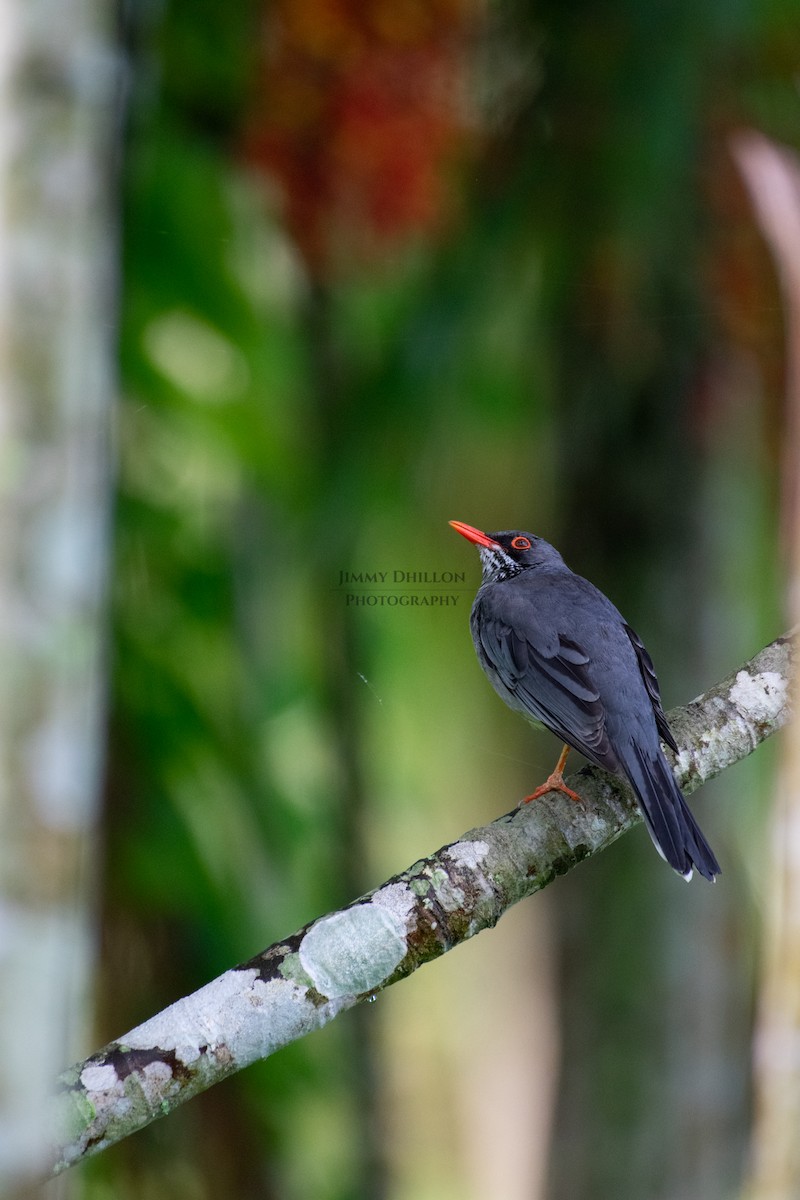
74,1114
293,971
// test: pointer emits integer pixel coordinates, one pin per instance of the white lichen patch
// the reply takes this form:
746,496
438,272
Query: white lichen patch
399,899
468,854
725,730
237,1015
718,746
715,749
99,1078
355,950
590,828
157,1074
684,761
759,697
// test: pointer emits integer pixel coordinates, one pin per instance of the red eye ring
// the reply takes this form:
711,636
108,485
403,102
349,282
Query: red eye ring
521,543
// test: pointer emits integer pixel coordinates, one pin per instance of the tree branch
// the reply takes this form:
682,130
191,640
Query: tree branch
345,957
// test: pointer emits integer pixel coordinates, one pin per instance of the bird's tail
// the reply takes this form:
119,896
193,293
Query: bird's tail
669,821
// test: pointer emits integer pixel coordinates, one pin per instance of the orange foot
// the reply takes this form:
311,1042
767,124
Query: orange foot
555,782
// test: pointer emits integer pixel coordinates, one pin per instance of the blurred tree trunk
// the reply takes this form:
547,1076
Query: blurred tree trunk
772,175
57,299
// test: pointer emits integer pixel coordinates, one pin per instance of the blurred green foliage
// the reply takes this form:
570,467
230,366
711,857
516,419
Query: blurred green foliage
546,363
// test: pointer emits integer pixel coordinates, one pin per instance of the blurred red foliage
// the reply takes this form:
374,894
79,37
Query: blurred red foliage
360,116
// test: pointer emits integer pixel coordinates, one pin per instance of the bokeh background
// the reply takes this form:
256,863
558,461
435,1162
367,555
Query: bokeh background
384,263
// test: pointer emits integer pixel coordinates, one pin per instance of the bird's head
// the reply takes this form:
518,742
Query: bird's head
508,552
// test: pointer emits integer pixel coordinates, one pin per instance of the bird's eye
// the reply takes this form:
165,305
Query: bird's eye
521,543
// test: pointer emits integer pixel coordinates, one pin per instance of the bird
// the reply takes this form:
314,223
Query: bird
558,651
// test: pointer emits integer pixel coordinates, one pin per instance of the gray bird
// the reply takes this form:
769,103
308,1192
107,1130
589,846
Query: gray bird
558,651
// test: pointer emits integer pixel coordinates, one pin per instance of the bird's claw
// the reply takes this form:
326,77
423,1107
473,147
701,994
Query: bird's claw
554,783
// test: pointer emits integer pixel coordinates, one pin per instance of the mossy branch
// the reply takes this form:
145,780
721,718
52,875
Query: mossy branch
345,957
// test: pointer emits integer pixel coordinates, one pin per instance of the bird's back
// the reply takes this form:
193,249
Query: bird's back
565,643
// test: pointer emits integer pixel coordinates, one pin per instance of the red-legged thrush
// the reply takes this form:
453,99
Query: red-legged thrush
558,651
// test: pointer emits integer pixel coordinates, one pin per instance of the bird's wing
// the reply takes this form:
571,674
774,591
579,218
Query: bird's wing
651,683
551,683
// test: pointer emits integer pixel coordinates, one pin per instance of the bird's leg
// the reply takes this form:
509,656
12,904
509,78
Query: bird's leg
555,782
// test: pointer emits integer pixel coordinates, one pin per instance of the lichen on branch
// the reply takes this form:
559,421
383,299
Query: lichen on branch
345,957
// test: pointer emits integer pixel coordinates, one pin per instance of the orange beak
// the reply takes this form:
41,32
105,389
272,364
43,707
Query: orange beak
474,535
